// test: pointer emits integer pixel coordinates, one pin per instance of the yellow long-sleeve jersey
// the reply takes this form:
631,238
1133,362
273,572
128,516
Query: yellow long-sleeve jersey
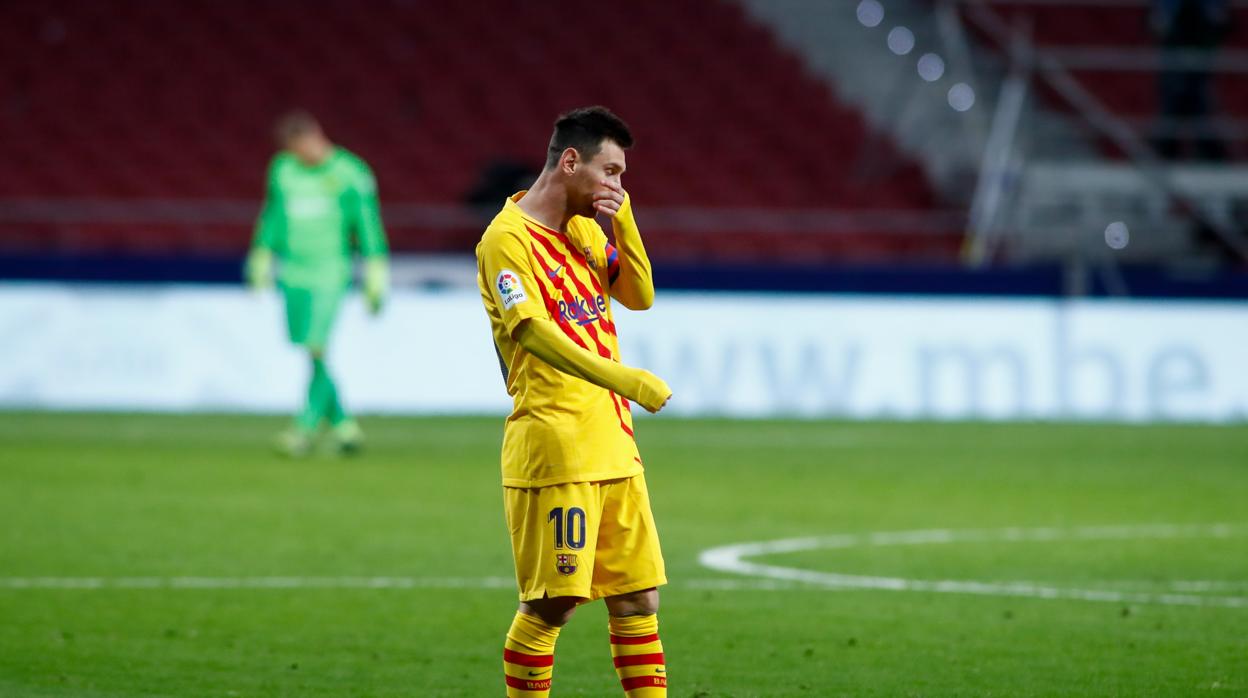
568,424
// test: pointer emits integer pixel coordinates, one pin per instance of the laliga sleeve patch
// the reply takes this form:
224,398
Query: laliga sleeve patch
510,290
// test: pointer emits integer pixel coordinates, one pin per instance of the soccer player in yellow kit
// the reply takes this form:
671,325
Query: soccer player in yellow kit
575,496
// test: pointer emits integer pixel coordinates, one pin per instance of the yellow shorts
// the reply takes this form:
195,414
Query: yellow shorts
586,539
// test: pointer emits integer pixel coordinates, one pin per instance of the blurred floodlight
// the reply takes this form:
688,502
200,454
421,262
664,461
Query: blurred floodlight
1117,235
870,13
901,41
931,67
961,97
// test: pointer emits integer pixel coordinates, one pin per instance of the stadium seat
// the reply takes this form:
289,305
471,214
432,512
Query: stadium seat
173,101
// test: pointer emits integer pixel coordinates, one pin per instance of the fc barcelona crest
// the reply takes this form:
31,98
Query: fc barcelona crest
565,563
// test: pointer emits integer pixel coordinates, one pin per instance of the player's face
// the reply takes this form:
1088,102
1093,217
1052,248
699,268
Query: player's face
607,165
310,148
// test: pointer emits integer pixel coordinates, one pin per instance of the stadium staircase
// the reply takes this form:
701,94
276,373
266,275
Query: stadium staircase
864,71
1063,178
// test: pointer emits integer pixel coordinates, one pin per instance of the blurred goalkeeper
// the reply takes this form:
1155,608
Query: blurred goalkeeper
320,200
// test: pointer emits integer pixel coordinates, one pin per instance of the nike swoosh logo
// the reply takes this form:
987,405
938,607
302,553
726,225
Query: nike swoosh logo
538,673
660,671
555,274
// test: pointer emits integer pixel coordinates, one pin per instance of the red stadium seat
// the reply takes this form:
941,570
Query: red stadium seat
115,99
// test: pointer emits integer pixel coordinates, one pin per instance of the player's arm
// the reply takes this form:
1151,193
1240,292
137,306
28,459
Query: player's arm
507,271
629,273
269,233
543,338
371,237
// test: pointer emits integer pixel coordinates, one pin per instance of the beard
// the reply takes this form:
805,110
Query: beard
586,208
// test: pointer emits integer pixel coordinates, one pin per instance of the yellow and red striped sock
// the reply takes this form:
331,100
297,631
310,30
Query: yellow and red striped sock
529,657
638,656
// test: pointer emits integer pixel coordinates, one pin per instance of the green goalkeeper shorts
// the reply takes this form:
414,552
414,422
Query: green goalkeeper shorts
310,314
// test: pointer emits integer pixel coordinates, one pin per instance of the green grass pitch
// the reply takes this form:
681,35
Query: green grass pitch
134,501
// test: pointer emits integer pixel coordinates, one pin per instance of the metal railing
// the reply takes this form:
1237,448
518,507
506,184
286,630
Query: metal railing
690,219
1047,65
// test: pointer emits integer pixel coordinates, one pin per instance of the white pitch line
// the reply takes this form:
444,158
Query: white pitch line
752,576
294,582
297,583
732,559
1208,585
284,582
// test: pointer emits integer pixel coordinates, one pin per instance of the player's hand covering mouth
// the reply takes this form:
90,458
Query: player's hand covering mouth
611,200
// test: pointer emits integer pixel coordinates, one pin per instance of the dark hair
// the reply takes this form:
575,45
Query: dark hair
585,129
293,124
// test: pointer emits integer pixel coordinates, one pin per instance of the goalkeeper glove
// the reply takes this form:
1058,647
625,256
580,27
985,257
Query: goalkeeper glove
376,283
259,269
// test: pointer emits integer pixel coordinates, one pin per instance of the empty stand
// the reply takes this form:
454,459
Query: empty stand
122,100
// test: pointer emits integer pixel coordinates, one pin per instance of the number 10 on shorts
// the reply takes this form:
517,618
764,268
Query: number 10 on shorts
569,529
